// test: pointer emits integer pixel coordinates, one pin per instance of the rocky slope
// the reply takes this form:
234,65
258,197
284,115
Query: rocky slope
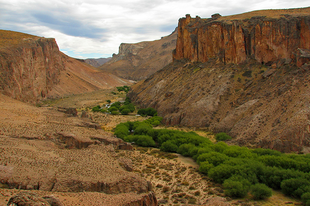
33,68
138,61
51,152
260,100
97,62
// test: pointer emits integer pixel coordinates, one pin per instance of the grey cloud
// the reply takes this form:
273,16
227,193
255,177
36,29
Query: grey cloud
70,26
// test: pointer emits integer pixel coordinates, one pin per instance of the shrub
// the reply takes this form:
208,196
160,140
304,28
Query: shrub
220,173
114,112
141,140
147,112
205,167
260,191
121,131
96,108
112,108
125,111
306,198
184,149
222,136
214,158
169,146
236,187
295,187
116,104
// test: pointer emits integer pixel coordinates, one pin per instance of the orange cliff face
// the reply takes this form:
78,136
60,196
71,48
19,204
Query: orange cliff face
30,69
268,40
33,68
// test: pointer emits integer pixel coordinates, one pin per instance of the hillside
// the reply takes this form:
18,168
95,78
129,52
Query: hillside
32,68
138,61
97,62
246,75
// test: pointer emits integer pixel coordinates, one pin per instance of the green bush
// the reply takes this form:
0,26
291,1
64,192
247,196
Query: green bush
215,158
205,167
112,108
114,112
141,140
260,191
121,130
306,198
147,112
169,146
96,108
125,111
184,149
222,136
236,187
295,187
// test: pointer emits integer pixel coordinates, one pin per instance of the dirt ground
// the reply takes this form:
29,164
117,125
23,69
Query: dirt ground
175,179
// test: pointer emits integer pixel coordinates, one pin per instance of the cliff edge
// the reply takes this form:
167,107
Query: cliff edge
32,68
244,75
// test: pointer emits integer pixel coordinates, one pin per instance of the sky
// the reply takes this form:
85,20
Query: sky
96,28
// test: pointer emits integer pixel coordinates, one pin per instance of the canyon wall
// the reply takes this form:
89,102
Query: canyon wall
246,75
32,68
140,60
266,39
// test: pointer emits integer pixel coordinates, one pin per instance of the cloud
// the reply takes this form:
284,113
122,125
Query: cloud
98,27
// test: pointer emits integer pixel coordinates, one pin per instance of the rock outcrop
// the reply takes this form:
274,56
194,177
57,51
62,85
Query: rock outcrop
32,199
140,60
258,93
32,68
264,37
97,62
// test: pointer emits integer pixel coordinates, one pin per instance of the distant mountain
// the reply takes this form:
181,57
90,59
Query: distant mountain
97,62
32,68
140,60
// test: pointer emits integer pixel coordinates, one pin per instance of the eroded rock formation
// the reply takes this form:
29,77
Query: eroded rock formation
140,60
227,40
244,75
33,68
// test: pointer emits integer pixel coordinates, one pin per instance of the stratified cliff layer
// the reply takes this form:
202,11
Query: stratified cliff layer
33,68
139,61
261,98
266,36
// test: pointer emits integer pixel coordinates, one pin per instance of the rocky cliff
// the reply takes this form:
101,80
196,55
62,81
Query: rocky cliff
266,36
245,76
140,60
33,68
97,62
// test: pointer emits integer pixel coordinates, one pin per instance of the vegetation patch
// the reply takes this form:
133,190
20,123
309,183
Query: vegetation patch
239,169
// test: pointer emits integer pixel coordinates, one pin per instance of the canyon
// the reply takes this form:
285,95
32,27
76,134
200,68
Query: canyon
140,60
247,75
32,69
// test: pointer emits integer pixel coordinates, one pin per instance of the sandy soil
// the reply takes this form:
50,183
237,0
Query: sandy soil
26,135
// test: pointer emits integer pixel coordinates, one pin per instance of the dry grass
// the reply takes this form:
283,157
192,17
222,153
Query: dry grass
11,38
270,13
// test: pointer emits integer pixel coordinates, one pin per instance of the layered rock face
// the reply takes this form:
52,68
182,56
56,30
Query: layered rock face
252,85
140,60
33,68
263,38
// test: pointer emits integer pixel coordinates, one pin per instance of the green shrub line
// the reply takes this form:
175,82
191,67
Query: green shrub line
241,170
116,107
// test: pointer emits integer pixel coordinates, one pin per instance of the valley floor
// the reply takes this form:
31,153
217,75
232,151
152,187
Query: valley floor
28,143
